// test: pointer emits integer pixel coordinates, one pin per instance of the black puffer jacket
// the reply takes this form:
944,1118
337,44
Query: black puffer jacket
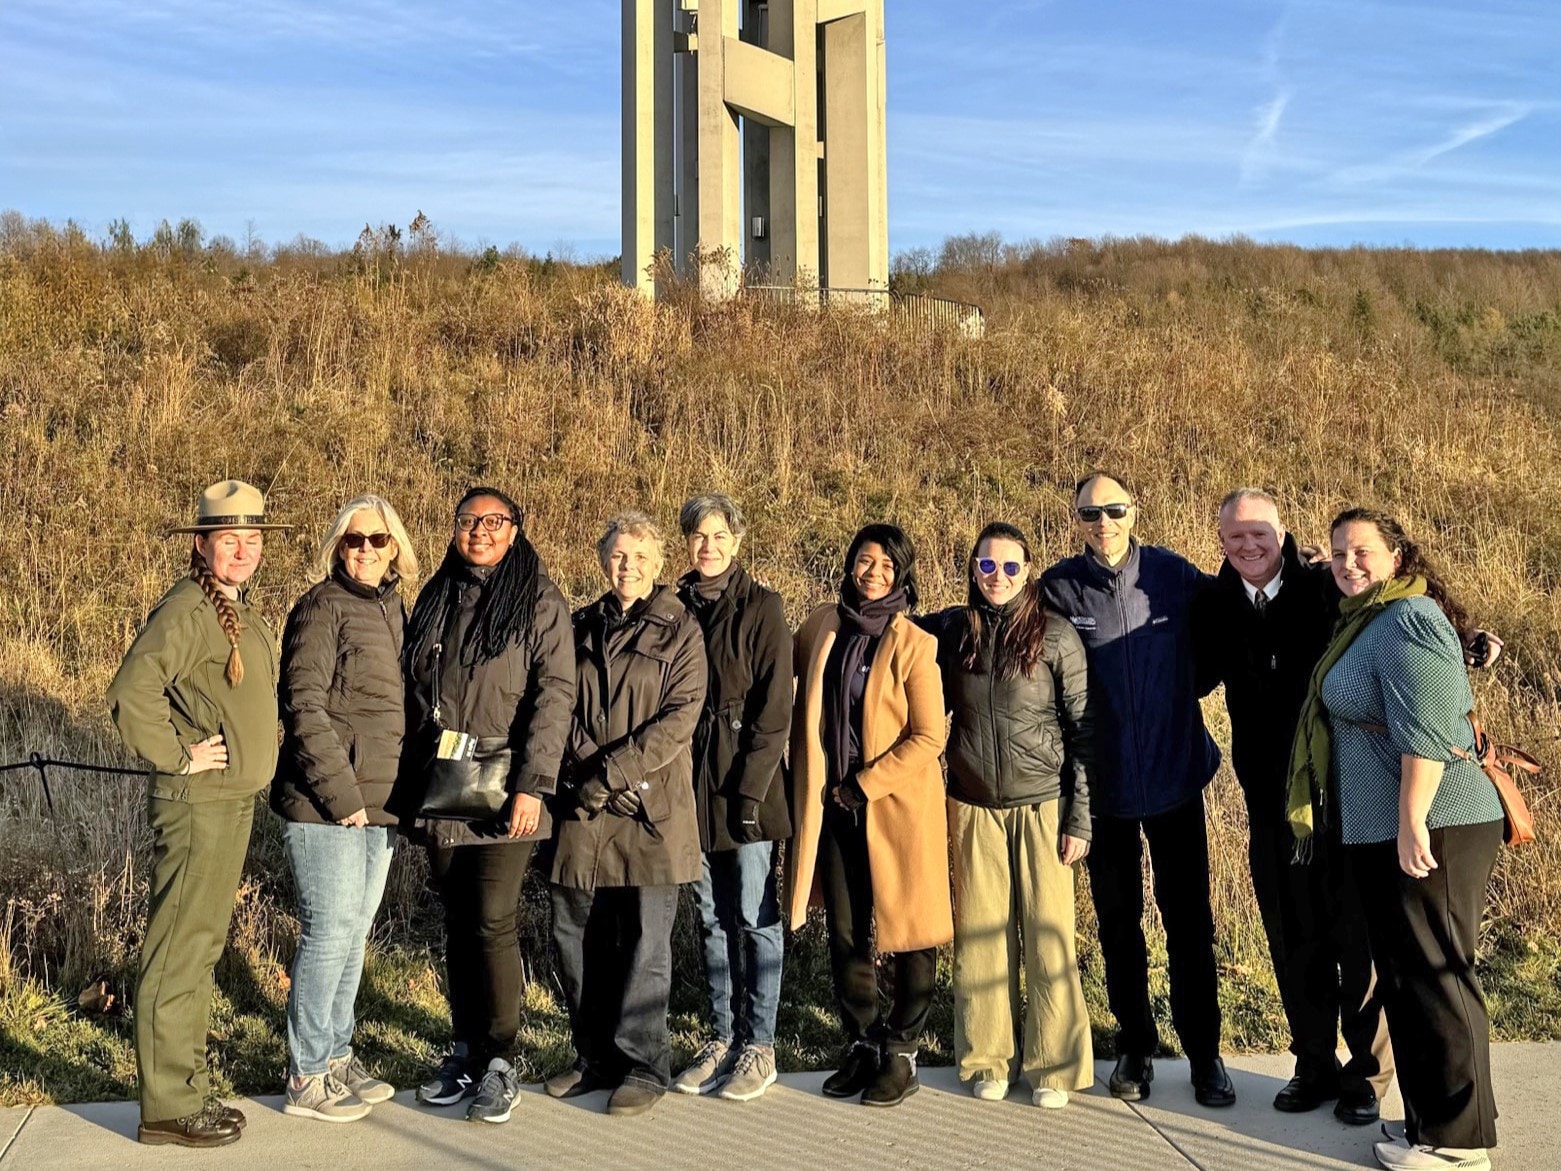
747,714
343,713
642,683
1023,740
526,693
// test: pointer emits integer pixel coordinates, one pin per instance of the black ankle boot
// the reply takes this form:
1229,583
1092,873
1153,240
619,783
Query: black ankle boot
896,1081
858,1067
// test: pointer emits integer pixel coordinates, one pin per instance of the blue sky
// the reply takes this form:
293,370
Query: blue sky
1313,121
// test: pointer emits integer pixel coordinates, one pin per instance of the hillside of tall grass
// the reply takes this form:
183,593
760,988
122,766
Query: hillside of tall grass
133,373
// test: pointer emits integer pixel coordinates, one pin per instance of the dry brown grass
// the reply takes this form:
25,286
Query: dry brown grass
1428,383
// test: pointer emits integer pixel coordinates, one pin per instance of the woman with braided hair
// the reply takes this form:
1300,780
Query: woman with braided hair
196,699
488,654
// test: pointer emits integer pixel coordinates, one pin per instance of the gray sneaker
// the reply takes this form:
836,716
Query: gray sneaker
708,1069
752,1073
323,1097
364,1085
496,1095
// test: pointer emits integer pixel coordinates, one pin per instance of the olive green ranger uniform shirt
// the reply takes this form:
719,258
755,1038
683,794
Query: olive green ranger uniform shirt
171,691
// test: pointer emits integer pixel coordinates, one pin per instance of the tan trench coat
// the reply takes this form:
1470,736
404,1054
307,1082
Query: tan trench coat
903,732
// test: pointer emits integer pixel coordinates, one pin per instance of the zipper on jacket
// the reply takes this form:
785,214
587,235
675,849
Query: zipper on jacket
991,712
1132,706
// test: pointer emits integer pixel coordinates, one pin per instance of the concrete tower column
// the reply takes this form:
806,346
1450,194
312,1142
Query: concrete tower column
648,206
720,156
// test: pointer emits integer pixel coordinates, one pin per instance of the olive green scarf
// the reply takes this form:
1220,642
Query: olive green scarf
1311,754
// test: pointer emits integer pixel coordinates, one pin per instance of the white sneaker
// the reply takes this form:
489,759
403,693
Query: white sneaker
709,1069
1400,1156
324,1098
990,1090
1050,1099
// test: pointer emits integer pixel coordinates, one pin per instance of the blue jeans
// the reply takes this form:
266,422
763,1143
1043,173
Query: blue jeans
340,875
740,919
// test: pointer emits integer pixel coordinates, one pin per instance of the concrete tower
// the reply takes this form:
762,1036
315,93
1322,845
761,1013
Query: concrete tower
753,142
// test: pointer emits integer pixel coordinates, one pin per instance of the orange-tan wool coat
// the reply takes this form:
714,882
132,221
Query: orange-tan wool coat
903,732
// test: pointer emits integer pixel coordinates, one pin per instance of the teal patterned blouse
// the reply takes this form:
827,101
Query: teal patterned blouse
1405,671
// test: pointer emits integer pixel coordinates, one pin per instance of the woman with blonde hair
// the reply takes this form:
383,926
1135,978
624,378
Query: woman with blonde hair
344,719
195,697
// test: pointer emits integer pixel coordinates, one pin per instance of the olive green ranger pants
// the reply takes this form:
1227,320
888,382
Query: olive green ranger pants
198,850
1013,915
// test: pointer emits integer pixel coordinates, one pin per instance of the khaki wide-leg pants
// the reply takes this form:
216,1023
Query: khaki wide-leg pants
198,850
1012,890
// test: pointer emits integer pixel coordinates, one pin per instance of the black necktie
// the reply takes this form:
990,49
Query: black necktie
1260,602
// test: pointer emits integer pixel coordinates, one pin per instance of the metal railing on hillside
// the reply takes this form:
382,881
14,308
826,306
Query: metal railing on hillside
920,308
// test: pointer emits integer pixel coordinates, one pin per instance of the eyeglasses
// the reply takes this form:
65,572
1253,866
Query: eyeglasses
988,567
358,540
492,521
1090,513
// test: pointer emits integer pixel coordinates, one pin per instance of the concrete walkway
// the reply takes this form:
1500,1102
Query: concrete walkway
794,1127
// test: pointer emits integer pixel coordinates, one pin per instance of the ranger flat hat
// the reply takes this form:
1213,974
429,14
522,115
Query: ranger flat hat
230,504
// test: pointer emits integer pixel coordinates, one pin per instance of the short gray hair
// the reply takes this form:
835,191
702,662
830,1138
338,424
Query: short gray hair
631,524
701,508
1236,497
404,565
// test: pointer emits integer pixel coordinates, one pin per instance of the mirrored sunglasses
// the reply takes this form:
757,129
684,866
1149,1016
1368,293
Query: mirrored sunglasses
988,566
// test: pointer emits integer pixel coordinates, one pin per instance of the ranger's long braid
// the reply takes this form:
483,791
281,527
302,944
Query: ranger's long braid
202,575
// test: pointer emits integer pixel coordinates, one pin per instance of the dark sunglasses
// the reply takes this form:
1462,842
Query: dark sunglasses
1090,513
358,540
987,566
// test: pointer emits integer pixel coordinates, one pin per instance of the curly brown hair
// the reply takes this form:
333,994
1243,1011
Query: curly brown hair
1413,562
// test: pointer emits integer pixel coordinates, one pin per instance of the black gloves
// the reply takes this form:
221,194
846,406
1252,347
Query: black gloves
625,802
593,795
745,821
849,795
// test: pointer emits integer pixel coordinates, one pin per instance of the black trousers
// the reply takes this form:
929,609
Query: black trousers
615,959
1423,934
1179,849
480,888
1317,940
848,914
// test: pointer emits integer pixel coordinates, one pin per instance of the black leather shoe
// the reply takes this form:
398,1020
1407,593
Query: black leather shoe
1357,1107
234,1115
1212,1086
1130,1079
857,1070
576,1080
1302,1093
206,1129
896,1081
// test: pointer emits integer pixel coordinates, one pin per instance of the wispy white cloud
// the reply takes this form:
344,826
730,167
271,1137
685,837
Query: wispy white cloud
1409,161
1259,154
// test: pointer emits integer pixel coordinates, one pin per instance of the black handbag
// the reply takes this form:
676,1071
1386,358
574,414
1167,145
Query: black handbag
469,790
475,788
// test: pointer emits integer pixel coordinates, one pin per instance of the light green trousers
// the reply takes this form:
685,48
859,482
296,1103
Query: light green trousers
1013,913
198,850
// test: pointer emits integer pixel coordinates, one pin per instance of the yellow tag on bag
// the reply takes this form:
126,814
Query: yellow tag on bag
456,745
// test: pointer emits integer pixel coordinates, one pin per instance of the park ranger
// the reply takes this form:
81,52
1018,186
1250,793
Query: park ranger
196,699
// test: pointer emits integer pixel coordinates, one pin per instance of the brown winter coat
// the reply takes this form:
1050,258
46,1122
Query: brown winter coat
903,731
641,688
747,714
525,694
343,703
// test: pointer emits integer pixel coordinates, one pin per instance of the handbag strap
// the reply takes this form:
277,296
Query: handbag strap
435,714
